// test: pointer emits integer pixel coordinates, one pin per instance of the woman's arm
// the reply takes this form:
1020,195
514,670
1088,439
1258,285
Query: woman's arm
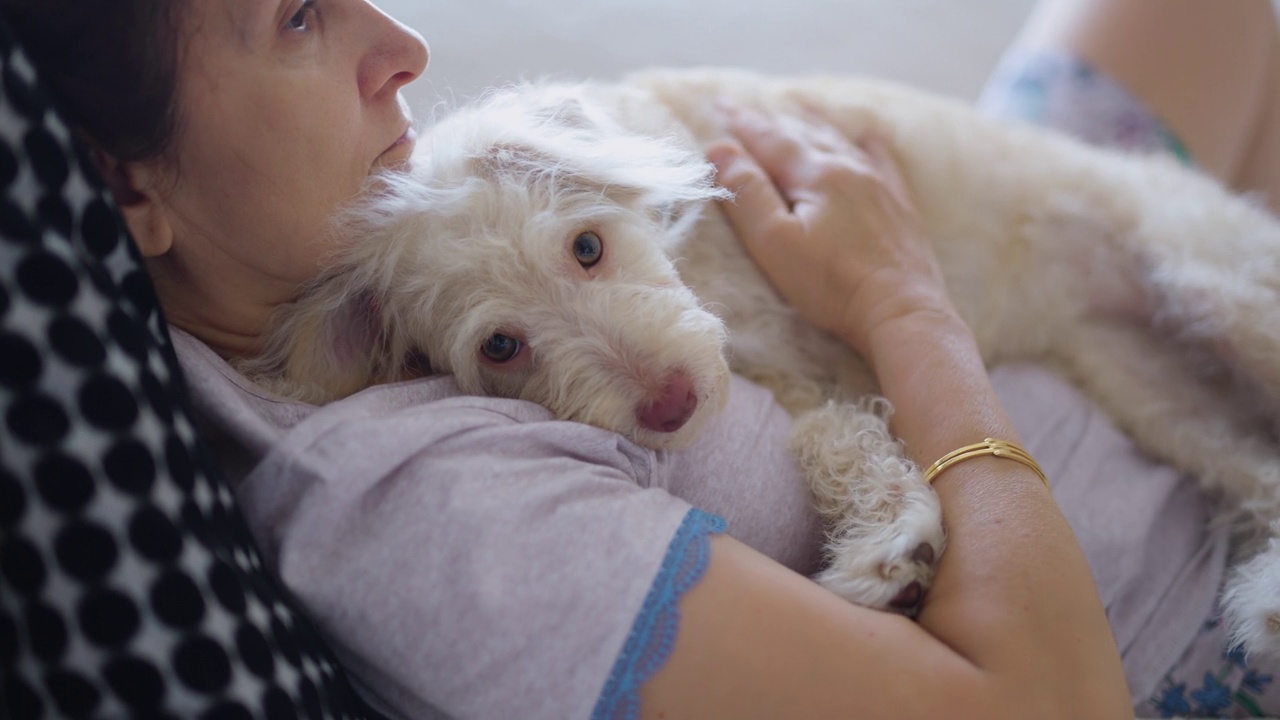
1013,625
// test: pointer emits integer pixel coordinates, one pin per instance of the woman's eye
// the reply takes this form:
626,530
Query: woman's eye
500,348
587,249
300,19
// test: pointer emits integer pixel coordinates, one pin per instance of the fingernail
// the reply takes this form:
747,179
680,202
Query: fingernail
873,136
722,155
725,104
808,110
725,113
734,114
750,118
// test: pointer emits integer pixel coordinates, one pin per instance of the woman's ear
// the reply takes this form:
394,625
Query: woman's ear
133,185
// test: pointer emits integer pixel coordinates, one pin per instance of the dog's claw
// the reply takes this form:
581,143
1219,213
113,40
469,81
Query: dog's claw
923,554
908,600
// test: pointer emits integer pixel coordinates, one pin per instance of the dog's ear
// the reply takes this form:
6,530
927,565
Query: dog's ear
328,344
660,177
514,160
657,175
565,110
584,142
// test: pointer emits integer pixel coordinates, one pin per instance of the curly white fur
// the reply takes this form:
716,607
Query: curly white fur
1152,287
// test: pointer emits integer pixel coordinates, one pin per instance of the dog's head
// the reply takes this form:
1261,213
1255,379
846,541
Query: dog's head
526,253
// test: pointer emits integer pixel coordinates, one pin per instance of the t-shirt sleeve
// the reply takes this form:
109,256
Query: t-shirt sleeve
472,564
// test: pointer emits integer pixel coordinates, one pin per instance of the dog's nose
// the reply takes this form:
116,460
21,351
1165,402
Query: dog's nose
673,406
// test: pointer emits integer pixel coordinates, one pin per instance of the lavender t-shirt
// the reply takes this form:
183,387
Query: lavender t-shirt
475,557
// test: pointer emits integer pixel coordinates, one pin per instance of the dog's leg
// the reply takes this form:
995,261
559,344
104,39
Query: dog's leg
1251,600
885,522
1179,415
1213,268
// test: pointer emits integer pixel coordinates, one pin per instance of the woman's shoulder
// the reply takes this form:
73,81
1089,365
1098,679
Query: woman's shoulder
429,416
473,522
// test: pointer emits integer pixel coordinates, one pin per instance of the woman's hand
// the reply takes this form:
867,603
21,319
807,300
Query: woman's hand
831,224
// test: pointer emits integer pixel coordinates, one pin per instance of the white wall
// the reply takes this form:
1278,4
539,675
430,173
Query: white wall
945,45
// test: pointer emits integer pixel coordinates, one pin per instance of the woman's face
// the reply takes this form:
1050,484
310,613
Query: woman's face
285,108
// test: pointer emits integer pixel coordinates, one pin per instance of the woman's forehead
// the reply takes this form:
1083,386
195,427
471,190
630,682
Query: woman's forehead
242,20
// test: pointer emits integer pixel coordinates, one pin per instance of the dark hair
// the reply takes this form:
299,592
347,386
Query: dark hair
111,67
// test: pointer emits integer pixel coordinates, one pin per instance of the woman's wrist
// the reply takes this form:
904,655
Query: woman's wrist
889,303
917,314
929,367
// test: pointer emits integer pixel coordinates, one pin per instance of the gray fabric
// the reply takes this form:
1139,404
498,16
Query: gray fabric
473,556
476,557
1142,525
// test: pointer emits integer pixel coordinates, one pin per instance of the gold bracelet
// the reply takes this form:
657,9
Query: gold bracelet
989,446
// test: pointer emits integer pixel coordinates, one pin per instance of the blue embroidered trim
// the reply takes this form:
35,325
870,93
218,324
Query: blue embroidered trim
654,631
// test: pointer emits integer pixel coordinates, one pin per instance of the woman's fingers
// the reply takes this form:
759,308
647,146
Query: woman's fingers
780,144
876,148
829,220
758,210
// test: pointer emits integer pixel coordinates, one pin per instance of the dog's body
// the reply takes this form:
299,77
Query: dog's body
1146,283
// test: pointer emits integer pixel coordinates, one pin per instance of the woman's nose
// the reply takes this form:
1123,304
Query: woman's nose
396,57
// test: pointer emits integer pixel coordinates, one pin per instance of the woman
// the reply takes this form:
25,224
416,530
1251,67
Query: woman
470,556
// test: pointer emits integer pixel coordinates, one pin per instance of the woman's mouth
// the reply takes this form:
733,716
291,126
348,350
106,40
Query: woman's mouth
398,152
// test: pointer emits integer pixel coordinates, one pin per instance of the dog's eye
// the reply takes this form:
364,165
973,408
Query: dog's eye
587,249
500,348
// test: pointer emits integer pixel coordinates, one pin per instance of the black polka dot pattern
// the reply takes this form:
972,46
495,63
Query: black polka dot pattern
19,361
46,279
21,566
47,633
135,681
63,483
129,585
37,419
108,617
12,501
75,342
154,535
177,601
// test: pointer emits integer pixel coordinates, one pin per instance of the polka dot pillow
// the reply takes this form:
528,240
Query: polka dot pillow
129,585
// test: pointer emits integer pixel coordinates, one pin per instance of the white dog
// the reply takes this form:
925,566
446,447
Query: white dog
548,244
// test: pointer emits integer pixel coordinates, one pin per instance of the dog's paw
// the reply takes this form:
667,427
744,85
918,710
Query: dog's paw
884,521
1251,602
888,566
